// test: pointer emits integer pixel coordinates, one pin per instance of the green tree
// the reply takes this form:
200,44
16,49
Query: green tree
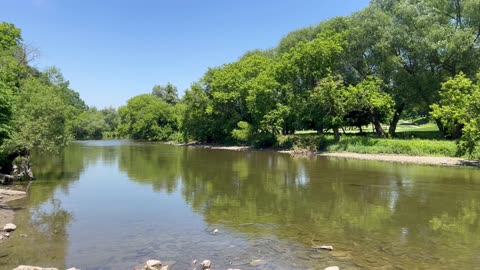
459,111
6,111
329,100
147,117
167,93
10,36
196,121
89,124
227,87
111,117
301,68
39,120
370,102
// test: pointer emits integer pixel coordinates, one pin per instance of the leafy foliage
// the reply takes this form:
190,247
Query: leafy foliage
459,110
147,117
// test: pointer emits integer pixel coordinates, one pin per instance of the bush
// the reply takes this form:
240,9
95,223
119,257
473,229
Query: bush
177,137
243,134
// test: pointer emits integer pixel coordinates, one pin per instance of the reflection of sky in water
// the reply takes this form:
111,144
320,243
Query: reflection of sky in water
302,177
137,201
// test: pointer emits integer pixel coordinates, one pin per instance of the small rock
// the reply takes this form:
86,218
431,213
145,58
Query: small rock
332,268
24,235
7,235
73,268
215,231
27,267
326,248
10,227
206,264
154,265
194,262
339,254
257,262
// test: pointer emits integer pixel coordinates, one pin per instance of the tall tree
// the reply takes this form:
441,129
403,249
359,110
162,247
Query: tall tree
167,93
146,117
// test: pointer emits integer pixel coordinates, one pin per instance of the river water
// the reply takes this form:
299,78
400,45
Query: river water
115,204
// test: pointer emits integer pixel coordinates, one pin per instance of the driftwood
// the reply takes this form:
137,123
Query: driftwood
6,176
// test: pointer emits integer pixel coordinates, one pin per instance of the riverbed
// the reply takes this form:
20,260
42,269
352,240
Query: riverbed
116,204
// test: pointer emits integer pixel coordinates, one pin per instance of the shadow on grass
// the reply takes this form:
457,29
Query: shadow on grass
346,142
428,135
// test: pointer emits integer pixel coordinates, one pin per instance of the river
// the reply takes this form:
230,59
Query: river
115,204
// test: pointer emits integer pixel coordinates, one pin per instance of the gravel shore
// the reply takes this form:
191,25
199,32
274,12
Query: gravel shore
445,161
6,213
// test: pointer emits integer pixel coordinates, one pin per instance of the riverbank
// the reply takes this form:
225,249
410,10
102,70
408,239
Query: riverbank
444,161
7,214
412,159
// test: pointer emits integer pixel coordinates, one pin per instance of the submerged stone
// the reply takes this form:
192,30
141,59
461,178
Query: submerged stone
257,262
10,227
206,264
154,265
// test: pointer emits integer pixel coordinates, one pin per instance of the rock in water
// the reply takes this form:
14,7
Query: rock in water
206,264
10,227
257,262
73,268
27,267
332,268
326,248
154,265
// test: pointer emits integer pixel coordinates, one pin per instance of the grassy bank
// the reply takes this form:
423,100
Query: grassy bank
370,145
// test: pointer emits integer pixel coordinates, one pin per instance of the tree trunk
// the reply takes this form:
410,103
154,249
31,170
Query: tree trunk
336,134
440,128
396,118
458,132
378,127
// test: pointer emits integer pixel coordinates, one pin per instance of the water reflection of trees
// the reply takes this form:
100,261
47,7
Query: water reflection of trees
377,208
41,237
154,164
380,212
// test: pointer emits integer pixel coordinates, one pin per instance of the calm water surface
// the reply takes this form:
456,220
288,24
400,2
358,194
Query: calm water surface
115,204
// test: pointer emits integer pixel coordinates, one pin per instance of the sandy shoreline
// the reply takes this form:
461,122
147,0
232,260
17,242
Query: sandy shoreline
427,160
6,213
444,161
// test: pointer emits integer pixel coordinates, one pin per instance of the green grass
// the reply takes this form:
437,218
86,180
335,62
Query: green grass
427,131
413,147
417,137
405,130
358,144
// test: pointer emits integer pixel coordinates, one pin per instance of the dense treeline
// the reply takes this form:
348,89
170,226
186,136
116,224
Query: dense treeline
390,60
37,108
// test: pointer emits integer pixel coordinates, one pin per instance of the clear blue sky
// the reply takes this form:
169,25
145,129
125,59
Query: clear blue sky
113,50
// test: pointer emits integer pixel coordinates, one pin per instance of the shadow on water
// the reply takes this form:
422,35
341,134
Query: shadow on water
267,205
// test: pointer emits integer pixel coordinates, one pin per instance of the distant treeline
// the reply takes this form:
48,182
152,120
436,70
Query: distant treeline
392,60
